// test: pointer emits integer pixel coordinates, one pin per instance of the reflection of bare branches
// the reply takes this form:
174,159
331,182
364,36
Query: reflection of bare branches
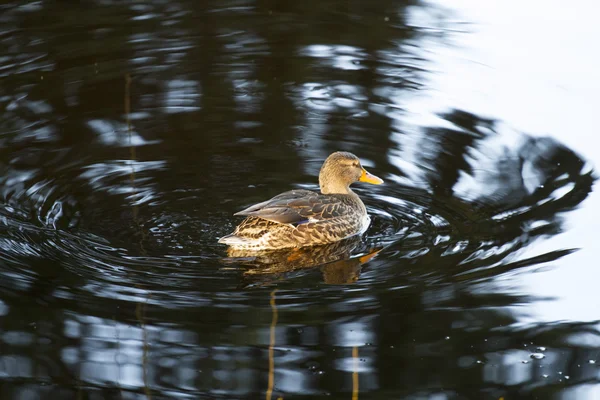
272,331
132,158
132,155
139,312
117,362
355,361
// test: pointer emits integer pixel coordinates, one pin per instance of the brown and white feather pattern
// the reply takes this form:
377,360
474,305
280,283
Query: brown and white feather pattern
299,218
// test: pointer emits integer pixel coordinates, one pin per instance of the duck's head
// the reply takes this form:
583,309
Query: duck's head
340,170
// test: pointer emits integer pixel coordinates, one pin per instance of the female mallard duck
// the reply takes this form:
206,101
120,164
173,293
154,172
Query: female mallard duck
301,218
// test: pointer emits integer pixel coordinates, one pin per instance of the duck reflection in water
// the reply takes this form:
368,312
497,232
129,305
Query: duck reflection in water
337,261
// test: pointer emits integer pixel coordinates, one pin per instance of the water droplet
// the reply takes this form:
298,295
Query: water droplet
313,367
525,361
545,375
447,337
300,330
537,356
592,361
567,377
540,349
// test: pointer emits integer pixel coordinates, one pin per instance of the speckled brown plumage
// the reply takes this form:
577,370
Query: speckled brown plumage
301,218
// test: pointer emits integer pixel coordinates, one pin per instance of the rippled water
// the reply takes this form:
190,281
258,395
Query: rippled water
130,132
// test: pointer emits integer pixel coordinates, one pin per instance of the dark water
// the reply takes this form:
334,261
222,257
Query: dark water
130,132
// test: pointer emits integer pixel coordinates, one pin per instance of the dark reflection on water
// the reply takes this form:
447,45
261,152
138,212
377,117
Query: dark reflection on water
130,132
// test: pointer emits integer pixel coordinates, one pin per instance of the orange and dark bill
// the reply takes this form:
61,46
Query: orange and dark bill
370,178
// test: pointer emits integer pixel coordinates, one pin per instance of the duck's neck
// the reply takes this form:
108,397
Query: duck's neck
333,187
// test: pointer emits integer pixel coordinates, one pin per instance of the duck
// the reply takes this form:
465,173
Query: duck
300,218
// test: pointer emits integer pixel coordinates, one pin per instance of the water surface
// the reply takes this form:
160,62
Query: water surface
130,132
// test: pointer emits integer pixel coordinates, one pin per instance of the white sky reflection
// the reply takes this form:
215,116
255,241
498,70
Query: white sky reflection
540,78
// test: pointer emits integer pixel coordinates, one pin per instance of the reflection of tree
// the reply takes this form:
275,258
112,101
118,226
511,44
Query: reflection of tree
512,195
243,64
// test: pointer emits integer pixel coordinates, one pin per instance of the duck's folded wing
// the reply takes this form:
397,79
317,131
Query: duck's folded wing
297,207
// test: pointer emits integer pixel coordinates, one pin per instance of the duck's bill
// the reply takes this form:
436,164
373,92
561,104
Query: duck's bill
370,178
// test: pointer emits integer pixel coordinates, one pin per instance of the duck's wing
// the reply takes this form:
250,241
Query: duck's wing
298,207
